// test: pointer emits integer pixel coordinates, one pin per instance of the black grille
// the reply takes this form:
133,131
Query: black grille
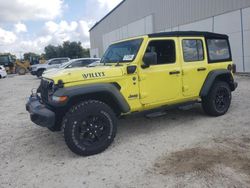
46,89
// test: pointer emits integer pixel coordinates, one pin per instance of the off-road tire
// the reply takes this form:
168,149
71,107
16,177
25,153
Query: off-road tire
218,100
40,73
21,71
79,120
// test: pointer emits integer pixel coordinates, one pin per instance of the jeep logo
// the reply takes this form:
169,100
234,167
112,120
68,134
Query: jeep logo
93,75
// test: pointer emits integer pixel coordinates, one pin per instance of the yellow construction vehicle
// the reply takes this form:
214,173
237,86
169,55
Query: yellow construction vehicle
15,66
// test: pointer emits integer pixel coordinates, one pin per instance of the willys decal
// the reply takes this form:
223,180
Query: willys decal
93,75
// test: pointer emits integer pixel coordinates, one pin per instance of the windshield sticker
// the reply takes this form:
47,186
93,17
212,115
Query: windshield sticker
128,57
93,75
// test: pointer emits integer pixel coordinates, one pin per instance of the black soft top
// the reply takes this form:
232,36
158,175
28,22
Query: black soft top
189,34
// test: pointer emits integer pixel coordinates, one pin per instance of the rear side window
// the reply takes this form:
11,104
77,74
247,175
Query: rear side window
218,50
192,50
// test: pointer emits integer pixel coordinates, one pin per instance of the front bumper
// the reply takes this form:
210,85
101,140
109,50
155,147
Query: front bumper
3,74
33,72
39,113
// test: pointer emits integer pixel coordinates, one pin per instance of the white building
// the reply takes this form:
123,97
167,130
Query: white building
136,17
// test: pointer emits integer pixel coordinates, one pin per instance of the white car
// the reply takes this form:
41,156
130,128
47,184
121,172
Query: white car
3,72
38,69
74,63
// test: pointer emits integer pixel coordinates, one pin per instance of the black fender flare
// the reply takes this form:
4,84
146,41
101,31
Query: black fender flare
108,88
214,75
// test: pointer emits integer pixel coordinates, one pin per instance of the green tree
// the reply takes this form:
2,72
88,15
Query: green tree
51,52
67,49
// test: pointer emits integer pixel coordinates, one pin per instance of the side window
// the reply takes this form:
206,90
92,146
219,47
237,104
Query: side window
75,64
64,60
85,63
218,50
192,50
55,62
165,50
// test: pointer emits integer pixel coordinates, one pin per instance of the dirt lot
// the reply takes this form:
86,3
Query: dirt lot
181,149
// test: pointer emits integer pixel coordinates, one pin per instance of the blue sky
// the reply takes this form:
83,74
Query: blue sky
30,25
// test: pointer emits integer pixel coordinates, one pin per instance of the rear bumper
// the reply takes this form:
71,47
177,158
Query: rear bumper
39,113
234,86
3,74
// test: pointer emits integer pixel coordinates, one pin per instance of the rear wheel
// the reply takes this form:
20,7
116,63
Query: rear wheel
89,127
218,100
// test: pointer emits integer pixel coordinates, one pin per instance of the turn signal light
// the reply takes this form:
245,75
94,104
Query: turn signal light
60,99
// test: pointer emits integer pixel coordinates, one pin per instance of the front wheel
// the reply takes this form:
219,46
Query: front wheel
89,127
218,100
40,73
21,71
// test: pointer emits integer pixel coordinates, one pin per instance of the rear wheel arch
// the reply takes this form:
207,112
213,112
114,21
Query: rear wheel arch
40,71
217,76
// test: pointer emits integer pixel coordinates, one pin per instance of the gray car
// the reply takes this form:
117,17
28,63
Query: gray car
81,62
52,63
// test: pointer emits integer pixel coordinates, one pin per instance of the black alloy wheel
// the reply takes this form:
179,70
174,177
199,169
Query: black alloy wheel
218,100
89,127
222,99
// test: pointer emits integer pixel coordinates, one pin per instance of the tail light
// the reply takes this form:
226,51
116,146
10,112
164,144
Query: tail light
232,68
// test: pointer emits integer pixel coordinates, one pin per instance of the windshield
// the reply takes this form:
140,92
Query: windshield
122,52
4,59
66,64
94,64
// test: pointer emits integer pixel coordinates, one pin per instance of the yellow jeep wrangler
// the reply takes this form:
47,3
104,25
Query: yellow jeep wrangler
150,72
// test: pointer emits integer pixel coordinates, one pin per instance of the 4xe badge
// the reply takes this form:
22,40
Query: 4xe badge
93,75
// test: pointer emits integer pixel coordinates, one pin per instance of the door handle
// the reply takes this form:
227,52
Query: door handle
201,69
174,72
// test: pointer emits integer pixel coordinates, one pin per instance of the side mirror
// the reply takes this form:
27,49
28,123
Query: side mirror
150,58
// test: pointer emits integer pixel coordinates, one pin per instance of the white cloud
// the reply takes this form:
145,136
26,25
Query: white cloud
53,33
50,32
20,27
63,31
21,10
61,27
108,4
7,37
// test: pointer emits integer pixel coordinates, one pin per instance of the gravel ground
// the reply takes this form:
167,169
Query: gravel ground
184,148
